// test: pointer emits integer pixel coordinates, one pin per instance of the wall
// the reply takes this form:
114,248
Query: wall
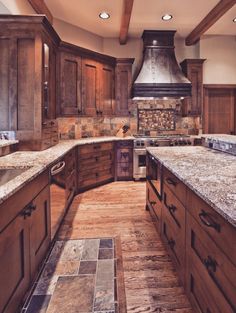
220,64
16,7
78,36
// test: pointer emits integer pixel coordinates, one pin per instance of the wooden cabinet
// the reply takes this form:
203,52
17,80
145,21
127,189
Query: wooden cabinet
193,69
24,240
70,176
154,205
95,165
27,78
107,90
69,85
124,160
123,84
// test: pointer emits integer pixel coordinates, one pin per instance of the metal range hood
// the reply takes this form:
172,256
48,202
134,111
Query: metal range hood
160,75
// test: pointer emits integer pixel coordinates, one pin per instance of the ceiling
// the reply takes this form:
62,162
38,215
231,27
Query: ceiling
146,14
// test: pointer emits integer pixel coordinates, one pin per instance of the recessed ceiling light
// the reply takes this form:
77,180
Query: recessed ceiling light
234,20
104,15
167,17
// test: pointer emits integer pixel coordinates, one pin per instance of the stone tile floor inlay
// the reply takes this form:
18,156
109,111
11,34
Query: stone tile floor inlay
78,276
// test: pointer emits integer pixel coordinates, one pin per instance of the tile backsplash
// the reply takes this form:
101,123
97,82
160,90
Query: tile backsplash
159,116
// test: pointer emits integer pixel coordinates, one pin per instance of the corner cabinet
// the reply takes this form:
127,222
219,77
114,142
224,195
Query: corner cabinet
24,240
27,76
193,69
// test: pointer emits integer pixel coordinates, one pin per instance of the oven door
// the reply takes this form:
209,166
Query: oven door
57,195
139,164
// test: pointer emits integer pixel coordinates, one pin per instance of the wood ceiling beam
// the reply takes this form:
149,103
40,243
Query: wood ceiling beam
41,8
125,20
212,17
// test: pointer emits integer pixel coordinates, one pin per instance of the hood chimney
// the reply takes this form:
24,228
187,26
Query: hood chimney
160,75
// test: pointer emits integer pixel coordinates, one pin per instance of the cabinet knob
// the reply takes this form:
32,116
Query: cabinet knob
208,221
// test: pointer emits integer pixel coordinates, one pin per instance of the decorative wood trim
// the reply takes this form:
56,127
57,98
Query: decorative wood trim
219,86
125,60
213,16
86,53
41,8
125,20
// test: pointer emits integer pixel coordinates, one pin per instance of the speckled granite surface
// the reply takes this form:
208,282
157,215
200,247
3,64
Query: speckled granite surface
221,137
38,161
4,143
209,173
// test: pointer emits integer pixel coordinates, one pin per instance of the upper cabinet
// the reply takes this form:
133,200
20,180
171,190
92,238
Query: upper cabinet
193,69
123,86
27,79
86,84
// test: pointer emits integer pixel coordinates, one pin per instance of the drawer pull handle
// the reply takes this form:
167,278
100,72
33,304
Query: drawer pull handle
171,243
171,208
96,159
170,181
153,203
210,263
207,221
26,213
97,174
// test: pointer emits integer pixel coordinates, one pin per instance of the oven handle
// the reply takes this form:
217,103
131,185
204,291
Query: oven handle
57,168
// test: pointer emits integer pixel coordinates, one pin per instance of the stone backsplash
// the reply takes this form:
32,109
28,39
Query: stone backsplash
78,127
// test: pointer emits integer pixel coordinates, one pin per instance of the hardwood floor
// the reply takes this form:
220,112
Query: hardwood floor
118,209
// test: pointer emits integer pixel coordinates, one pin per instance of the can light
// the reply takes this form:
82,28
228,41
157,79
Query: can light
167,17
234,20
104,15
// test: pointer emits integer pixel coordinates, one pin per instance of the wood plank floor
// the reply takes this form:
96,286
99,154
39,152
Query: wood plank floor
118,209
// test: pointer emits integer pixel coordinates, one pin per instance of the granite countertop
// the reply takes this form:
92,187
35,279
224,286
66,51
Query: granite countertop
221,137
209,173
5,143
35,162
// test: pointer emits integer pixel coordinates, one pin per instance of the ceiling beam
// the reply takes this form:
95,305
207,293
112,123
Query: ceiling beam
212,17
126,14
41,8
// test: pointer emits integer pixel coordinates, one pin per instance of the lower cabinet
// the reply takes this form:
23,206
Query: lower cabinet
200,243
95,165
124,160
23,245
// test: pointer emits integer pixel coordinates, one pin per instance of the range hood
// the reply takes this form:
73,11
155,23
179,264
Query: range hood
160,75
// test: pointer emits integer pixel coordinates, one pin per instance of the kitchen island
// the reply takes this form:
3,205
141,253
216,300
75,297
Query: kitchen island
192,199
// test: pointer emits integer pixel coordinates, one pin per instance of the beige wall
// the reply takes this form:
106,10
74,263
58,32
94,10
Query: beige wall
78,36
17,7
220,64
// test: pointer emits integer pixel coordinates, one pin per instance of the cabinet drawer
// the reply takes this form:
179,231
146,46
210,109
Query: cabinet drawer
96,168
125,143
154,205
124,156
174,208
95,147
218,273
175,185
218,228
86,181
175,243
199,294
94,160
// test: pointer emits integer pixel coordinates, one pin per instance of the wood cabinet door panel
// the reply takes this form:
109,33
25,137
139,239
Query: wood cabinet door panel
154,204
14,264
40,234
70,84
90,87
106,104
218,272
124,155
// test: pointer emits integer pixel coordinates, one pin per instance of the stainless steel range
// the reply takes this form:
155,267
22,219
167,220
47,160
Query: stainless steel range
141,142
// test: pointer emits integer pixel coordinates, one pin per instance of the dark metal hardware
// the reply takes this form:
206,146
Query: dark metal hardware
97,174
96,159
207,221
32,207
171,243
171,208
153,202
52,123
26,212
170,181
79,111
96,147
210,264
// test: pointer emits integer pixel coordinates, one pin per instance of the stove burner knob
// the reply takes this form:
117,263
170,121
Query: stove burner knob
189,142
142,143
184,143
156,144
138,143
151,143
180,142
171,144
176,143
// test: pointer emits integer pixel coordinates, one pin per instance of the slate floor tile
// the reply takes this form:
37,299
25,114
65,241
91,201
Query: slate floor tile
72,250
38,304
46,286
90,251
73,294
104,299
105,254
105,274
106,243
88,267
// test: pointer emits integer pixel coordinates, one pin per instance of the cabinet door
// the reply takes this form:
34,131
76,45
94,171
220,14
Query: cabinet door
70,84
90,87
14,264
106,103
40,234
123,88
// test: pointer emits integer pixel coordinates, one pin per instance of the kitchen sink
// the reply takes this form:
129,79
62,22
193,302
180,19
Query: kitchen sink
7,174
